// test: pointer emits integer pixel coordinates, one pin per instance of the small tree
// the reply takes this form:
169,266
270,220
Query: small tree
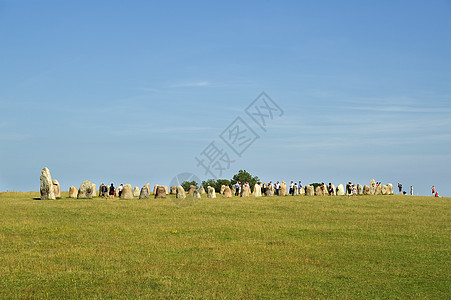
187,184
243,176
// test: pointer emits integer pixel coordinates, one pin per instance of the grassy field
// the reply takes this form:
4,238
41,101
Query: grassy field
279,247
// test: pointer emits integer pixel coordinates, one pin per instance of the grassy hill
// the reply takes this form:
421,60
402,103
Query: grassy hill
278,247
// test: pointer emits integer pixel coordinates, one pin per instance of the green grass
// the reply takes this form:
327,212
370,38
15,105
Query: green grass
279,247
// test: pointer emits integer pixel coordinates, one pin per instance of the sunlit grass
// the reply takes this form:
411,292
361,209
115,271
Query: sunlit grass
279,247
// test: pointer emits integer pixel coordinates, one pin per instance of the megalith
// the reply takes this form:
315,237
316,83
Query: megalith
257,190
127,192
56,188
366,190
340,190
211,193
85,190
309,190
227,192
160,192
246,191
145,192
47,191
136,191
73,192
180,192
196,195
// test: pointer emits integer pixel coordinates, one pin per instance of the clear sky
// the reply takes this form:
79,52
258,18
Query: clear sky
135,91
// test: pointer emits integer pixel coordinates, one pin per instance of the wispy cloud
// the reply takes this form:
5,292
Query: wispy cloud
191,84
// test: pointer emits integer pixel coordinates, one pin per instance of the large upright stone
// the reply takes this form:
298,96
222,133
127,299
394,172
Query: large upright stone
283,189
372,186
359,189
145,192
257,190
127,192
340,190
221,191
211,193
202,190
85,190
173,190
196,195
47,191
309,190
180,192
160,192
94,190
390,189
378,190
192,189
302,191
227,192
136,192
384,190
366,190
233,188
246,191
56,188
73,192
296,190
318,191
270,190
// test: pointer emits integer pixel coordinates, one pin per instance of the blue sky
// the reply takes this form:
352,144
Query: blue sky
133,91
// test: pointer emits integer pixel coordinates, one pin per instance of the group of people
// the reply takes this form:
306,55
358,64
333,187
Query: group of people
109,192
434,192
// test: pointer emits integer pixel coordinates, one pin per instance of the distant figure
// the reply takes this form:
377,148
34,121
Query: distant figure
292,188
120,188
237,188
104,191
433,190
299,186
354,191
349,189
323,189
277,186
400,188
331,190
411,190
112,189
436,195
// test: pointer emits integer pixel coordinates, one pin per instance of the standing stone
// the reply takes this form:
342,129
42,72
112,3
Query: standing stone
127,192
227,192
180,192
192,189
136,192
359,189
384,190
309,190
166,189
318,191
173,190
116,192
296,190
366,190
202,190
47,191
390,189
246,191
233,189
56,188
270,190
378,190
283,189
257,190
155,187
94,190
85,190
302,191
196,195
222,189
73,192
340,190
160,192
372,186
145,192
211,193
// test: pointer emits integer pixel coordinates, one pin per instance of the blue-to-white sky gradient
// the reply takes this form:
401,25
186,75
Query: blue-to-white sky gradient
133,91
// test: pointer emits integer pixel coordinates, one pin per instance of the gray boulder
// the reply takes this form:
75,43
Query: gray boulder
196,195
56,188
202,190
366,190
227,192
359,189
145,192
127,192
160,192
73,192
47,191
85,190
270,190
173,190
180,192
211,193
309,190
246,191
136,192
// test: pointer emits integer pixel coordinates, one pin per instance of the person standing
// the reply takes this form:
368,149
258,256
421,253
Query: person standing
411,190
104,191
112,190
237,188
354,191
292,188
120,188
400,188
433,190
